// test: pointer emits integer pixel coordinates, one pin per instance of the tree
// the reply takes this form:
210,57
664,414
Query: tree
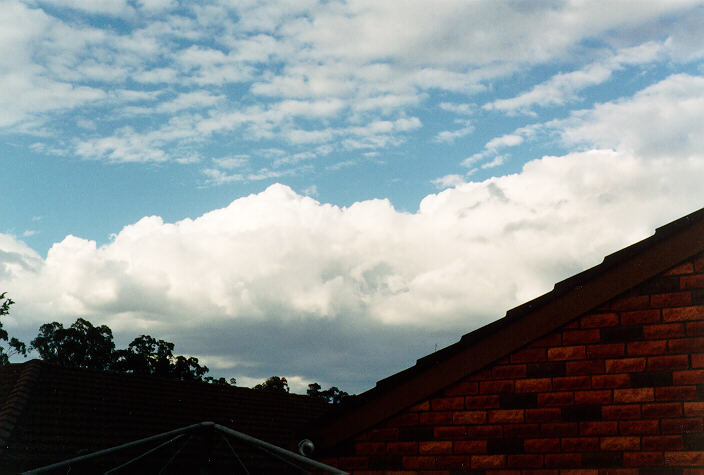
16,346
332,395
82,345
273,384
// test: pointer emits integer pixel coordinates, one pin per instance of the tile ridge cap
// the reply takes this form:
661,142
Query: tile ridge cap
17,399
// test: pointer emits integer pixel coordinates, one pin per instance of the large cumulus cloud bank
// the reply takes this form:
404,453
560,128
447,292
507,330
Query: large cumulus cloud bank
279,278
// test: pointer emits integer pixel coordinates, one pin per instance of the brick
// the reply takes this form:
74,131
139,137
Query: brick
575,337
580,444
603,396
352,463
507,416
543,415
625,365
695,328
685,345
692,409
481,375
676,393
542,445
634,395
470,446
562,353
663,330
509,371
607,350
651,379
449,432
518,400
529,355
659,284
496,387
563,460
457,462
656,363
598,320
573,368
643,459
638,427
631,303
621,334
435,418
693,459
465,388
559,429
421,406
521,431
581,412
685,268
698,360
556,399
611,381
662,442
404,419
694,441
699,265
525,461
481,402
504,446
402,448
435,447
553,339
681,426
418,462
415,433
484,432
620,443
383,434
543,370
447,403
571,382
534,385
366,448
692,282
621,411
652,347
488,461
673,299
598,428
662,409
469,417
640,317
693,376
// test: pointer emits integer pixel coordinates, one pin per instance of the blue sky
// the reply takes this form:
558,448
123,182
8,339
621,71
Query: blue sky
327,190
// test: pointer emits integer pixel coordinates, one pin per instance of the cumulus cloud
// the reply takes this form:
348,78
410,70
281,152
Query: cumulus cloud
280,260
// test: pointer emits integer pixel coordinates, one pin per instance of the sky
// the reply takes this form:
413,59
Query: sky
329,190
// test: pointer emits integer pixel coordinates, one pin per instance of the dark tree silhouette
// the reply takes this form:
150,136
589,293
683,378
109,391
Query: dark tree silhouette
332,395
80,346
274,384
16,346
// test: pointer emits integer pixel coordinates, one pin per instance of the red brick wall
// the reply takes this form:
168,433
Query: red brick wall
620,387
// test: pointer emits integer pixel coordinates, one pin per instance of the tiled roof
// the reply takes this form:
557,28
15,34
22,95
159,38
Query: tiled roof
580,293
49,413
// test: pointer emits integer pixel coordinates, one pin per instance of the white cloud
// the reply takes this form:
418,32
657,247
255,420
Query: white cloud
449,181
449,136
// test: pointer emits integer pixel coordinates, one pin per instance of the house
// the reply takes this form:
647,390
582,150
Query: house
49,414
604,374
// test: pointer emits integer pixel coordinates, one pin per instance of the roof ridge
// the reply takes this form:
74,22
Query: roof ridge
17,399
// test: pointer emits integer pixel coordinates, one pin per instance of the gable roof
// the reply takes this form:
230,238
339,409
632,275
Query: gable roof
618,273
50,413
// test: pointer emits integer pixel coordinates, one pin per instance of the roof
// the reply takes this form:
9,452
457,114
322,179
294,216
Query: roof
50,413
618,273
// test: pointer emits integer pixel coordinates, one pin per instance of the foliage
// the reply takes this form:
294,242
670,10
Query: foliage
82,345
331,395
273,384
222,381
16,346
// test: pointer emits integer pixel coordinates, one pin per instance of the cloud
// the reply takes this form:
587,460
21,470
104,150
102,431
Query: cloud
449,136
281,261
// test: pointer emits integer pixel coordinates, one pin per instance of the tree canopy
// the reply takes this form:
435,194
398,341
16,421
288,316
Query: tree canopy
332,395
15,345
273,384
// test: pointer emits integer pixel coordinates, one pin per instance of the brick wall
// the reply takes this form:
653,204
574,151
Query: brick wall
620,390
